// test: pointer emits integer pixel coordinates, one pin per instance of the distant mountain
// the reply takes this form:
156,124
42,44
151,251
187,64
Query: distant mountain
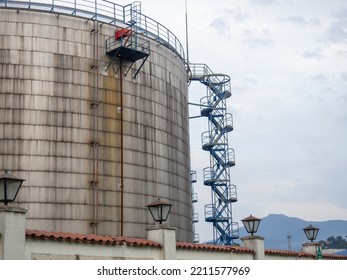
276,227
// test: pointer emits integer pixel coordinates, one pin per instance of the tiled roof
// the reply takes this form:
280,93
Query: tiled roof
90,238
216,248
334,257
139,242
302,254
288,253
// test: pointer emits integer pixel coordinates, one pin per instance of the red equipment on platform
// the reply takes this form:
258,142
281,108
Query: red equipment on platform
122,33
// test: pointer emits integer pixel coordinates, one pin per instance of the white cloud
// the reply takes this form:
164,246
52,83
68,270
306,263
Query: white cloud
238,15
264,2
300,20
256,38
222,25
312,54
320,77
337,32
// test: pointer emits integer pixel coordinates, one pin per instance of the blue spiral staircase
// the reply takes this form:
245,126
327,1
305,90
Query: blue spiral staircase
215,141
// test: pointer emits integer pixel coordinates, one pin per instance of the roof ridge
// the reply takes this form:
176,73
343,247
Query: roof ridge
301,254
90,238
213,247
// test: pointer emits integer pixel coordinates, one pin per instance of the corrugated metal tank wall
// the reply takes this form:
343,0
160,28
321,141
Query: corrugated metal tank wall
52,97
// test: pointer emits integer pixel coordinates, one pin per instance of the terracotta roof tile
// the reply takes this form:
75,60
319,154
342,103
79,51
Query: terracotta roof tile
245,250
216,248
90,238
129,241
334,257
300,254
288,253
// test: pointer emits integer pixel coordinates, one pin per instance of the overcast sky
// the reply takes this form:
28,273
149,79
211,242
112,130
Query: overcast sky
288,63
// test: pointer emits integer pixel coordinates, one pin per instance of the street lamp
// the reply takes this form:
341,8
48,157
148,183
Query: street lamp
9,187
159,210
311,232
251,224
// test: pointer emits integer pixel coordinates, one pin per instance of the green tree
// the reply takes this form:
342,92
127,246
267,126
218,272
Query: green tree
334,243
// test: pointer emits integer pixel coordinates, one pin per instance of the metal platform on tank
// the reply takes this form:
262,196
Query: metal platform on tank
129,47
127,53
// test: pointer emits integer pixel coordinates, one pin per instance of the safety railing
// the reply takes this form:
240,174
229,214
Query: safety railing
107,12
195,217
210,212
232,193
209,175
230,157
153,29
193,176
207,140
198,70
194,197
196,238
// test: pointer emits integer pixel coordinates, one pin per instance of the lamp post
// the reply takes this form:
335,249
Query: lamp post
9,187
311,232
163,234
253,242
159,210
251,224
12,220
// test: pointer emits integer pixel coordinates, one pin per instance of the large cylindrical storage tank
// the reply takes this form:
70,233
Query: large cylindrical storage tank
94,145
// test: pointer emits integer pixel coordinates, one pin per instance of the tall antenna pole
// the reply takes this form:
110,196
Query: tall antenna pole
187,48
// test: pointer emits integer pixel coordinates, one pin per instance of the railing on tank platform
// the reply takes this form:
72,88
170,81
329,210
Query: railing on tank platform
153,29
107,12
198,71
